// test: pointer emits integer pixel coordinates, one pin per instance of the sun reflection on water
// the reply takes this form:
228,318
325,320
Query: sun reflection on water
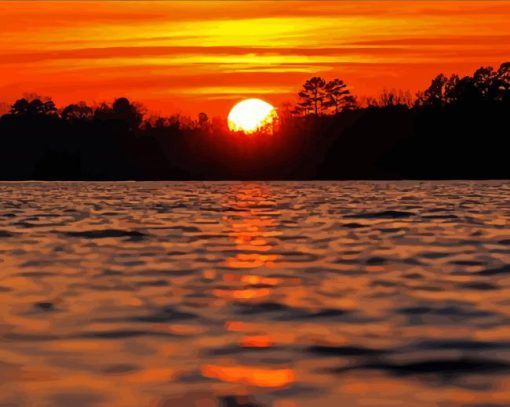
256,376
254,294
252,226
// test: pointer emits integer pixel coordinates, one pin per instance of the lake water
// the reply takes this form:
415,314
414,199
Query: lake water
255,294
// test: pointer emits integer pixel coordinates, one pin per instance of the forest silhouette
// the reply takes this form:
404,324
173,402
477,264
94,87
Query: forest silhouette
457,128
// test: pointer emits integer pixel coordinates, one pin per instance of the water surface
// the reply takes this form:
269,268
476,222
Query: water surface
255,294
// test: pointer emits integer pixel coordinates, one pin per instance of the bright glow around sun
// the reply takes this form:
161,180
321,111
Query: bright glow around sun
251,115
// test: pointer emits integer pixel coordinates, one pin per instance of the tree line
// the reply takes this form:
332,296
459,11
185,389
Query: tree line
486,85
444,131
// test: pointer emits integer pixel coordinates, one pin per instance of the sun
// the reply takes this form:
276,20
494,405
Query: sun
251,115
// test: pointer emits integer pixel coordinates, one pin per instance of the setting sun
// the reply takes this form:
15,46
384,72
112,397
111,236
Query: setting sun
251,115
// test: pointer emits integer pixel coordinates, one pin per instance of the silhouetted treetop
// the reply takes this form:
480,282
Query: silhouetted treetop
318,96
336,94
203,119
486,85
122,110
35,107
313,96
391,97
78,111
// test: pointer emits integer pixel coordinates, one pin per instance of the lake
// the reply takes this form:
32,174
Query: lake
280,294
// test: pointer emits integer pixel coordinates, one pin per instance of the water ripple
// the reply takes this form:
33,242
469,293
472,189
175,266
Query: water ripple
255,294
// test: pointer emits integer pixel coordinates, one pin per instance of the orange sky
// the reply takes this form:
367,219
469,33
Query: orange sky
180,56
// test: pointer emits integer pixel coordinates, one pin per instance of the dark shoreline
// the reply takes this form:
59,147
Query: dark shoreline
459,128
393,143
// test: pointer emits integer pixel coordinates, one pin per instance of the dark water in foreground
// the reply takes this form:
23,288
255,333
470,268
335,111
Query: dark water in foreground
255,294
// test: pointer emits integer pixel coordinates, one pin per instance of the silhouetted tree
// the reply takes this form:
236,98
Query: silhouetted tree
312,96
20,107
103,112
338,96
350,103
392,98
464,91
317,96
124,110
485,86
78,111
203,119
285,111
450,90
483,78
36,107
500,86
435,93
